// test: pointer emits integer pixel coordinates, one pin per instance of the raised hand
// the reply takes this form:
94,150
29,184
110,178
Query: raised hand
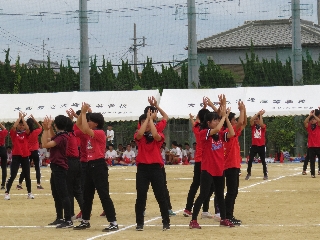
191,116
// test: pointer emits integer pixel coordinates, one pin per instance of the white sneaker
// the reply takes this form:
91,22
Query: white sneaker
217,217
206,215
30,196
7,196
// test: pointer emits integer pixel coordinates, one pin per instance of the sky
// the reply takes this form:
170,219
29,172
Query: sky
35,28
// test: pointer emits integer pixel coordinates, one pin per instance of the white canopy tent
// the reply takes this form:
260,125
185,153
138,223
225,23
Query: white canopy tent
114,105
276,101
177,103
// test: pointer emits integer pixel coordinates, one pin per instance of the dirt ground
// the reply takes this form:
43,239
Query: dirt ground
283,207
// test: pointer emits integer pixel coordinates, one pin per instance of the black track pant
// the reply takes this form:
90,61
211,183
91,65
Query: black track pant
146,174
261,150
36,160
4,158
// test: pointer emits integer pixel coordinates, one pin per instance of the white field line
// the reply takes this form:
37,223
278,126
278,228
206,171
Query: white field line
153,219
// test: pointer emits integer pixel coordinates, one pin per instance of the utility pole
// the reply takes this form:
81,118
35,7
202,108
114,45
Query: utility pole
297,76
318,11
193,75
296,44
84,47
135,50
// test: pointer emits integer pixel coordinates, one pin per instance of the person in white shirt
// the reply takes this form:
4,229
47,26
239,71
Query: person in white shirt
110,135
111,156
134,147
175,156
42,153
128,157
189,151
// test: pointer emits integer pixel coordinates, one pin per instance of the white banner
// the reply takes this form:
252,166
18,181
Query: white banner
114,105
276,101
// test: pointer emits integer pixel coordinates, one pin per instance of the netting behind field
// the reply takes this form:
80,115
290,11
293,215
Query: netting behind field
35,29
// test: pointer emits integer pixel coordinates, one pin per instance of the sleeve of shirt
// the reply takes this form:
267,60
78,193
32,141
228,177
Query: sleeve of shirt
204,134
75,127
4,132
99,135
38,131
161,125
12,134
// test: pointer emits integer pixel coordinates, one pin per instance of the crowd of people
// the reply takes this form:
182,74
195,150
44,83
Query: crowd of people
81,152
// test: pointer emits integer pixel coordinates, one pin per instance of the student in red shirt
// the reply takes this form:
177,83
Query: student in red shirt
57,142
149,170
212,164
20,153
312,125
33,144
97,170
233,160
82,141
258,136
3,154
160,126
74,169
197,165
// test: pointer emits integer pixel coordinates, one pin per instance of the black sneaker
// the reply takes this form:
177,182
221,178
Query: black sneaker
83,225
19,187
166,227
110,228
39,187
235,221
56,222
65,224
3,188
265,177
139,227
248,176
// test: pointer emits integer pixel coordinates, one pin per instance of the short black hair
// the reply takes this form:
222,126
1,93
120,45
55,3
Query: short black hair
152,109
202,113
78,112
141,118
9,147
174,143
30,124
97,118
61,122
186,143
69,126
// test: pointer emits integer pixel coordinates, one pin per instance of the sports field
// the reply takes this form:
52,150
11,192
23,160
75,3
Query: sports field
283,207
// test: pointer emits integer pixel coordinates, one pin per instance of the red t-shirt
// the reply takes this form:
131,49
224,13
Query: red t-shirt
213,152
58,153
3,134
72,146
258,136
75,128
33,142
313,136
196,132
19,143
232,151
96,145
149,153
84,138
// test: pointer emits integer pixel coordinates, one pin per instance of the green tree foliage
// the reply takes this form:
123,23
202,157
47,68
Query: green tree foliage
17,79
213,76
149,76
125,79
282,132
265,73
